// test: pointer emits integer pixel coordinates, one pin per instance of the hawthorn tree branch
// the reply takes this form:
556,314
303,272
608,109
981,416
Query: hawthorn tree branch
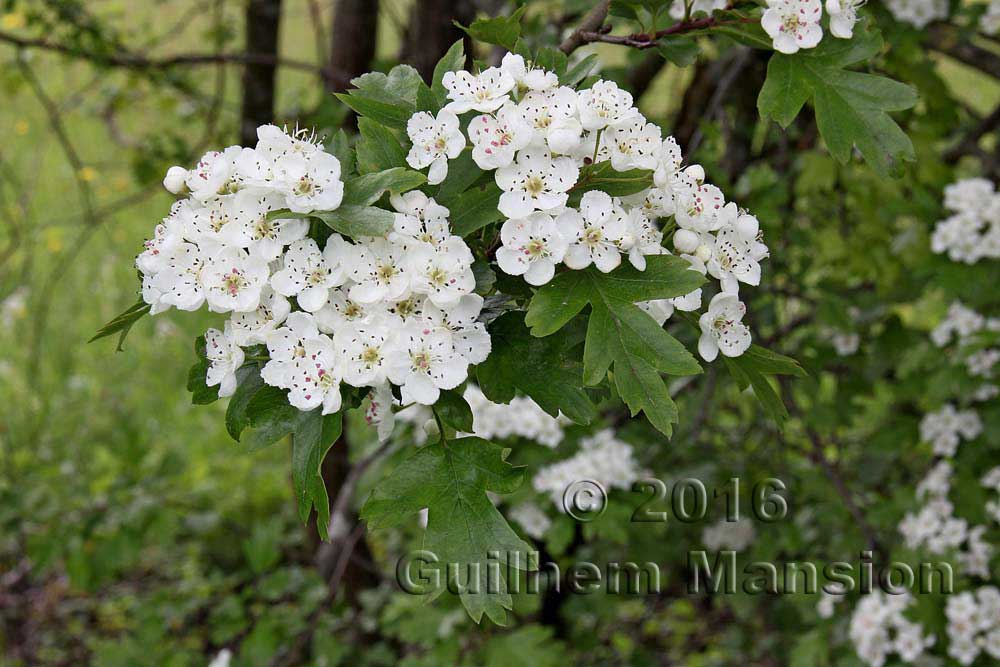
944,39
648,41
591,22
970,143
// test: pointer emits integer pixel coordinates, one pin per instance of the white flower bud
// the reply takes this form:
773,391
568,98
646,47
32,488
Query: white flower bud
175,179
685,241
704,253
697,172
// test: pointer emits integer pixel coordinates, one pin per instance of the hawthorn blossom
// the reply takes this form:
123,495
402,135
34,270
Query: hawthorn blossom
722,329
435,141
595,231
552,115
339,311
525,76
175,182
535,181
531,248
428,366
485,92
233,280
419,218
793,24
605,104
286,345
225,357
167,238
252,327
641,237
308,274
633,144
443,273
309,181
179,283
468,336
378,270
699,207
316,377
736,254
496,138
251,229
843,16
365,350
214,175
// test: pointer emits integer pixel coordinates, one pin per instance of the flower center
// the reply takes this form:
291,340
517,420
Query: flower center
263,229
791,23
437,276
371,355
593,236
317,276
234,281
421,361
385,272
536,248
304,187
534,185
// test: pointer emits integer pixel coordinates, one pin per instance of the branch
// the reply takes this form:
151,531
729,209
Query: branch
591,22
138,61
970,143
944,39
648,41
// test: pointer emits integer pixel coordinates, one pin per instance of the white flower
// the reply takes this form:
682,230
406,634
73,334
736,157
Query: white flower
428,365
641,236
366,350
660,310
225,357
632,144
435,141
167,238
379,411
316,377
378,270
251,328
309,181
496,138
605,104
443,273
175,180
532,519
215,174
595,232
484,93
532,247
843,16
419,218
736,254
339,311
918,13
250,227
309,274
701,207
722,329
535,181
286,345
274,142
793,24
534,78
468,337
552,115
179,283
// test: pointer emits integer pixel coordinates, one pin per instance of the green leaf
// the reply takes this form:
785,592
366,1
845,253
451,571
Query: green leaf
270,417
602,176
123,323
679,50
752,370
462,173
368,188
619,333
536,367
748,34
356,221
248,383
579,71
665,277
474,209
454,411
501,30
531,645
463,526
452,61
378,149
201,393
399,85
340,147
390,114
312,437
851,107
552,60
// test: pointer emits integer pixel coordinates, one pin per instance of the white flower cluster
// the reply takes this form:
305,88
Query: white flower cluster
845,343
397,308
795,24
602,458
521,418
974,624
960,323
947,427
973,231
918,13
935,527
537,136
878,628
732,535
991,480
531,518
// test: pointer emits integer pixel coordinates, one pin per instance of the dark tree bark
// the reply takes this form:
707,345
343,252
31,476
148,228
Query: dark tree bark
263,21
431,32
353,40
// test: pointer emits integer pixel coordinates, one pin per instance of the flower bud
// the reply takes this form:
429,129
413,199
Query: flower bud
704,253
747,226
175,179
697,172
685,241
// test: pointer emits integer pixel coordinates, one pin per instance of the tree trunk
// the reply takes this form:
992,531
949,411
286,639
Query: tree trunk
431,32
263,20
354,37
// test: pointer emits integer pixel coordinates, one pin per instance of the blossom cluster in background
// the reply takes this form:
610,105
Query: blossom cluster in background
879,628
603,458
972,233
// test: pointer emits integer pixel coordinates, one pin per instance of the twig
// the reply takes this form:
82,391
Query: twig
648,41
971,141
592,21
